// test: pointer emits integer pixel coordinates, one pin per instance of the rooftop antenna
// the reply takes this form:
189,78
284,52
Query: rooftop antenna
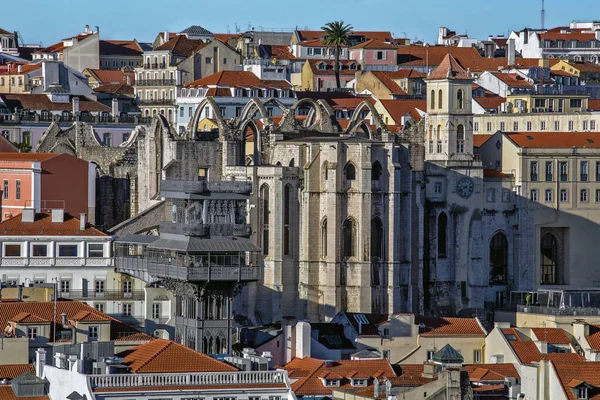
543,14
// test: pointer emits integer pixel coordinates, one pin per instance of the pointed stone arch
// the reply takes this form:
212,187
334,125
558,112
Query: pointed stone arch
315,106
355,121
193,125
258,142
251,108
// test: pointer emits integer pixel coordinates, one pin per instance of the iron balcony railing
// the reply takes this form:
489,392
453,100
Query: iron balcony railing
156,102
155,82
206,229
201,186
55,261
571,311
103,295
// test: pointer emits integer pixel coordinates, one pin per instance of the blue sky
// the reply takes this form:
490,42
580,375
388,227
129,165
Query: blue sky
48,21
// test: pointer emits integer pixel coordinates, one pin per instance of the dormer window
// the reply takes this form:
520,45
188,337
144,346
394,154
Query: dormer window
582,393
322,66
332,382
359,382
353,66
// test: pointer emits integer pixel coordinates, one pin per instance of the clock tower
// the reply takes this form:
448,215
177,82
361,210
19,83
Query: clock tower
455,193
449,130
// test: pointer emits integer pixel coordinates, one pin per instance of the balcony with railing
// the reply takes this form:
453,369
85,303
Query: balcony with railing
202,186
245,273
156,102
206,229
102,295
225,380
155,82
55,262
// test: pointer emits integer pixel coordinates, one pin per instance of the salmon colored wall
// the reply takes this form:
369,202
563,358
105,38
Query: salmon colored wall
66,178
11,205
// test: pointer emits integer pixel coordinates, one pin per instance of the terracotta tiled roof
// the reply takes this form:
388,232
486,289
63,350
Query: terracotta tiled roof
310,35
399,108
13,68
479,140
572,34
512,79
551,335
6,393
166,356
120,47
89,316
491,372
490,102
445,326
38,157
585,66
118,88
36,102
317,43
492,173
392,86
182,46
588,372
405,73
449,68
555,140
280,52
527,351
409,375
112,76
218,92
594,104
225,37
242,79
55,48
381,36
45,311
4,32
348,103
562,357
594,338
374,44
134,337
43,225
11,371
310,384
558,72
27,318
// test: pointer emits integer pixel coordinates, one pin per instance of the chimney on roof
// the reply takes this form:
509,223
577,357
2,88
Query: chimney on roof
28,215
58,215
63,319
511,52
19,69
166,36
40,362
128,78
82,221
87,30
115,107
303,339
20,293
76,106
375,388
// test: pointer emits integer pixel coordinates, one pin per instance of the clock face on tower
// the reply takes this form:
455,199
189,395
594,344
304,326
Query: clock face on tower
464,187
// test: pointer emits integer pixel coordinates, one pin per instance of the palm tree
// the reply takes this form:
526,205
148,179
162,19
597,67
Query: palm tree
337,34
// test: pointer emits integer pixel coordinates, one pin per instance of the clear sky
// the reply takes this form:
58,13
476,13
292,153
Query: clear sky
48,21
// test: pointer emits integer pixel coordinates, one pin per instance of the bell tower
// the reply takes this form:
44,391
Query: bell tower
449,129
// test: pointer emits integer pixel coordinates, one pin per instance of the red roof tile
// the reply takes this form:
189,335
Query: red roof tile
551,335
594,338
594,104
479,140
182,46
399,108
410,375
490,102
555,140
118,88
588,372
374,44
446,326
120,47
344,70
491,372
27,318
392,86
89,316
405,73
492,173
6,393
35,102
449,68
242,79
310,383
37,157
513,79
166,356
11,371
112,76
43,225
348,103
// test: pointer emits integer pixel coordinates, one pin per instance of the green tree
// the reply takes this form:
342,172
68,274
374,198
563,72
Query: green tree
337,35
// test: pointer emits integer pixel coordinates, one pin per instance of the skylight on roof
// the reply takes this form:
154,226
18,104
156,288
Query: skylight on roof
333,339
529,137
589,140
511,338
361,319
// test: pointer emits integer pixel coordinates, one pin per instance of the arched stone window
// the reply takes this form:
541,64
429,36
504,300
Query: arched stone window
460,99
348,238
439,138
324,175
376,238
432,106
324,238
264,216
287,199
549,259
460,139
292,163
376,171
498,259
440,99
430,138
442,241
350,172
